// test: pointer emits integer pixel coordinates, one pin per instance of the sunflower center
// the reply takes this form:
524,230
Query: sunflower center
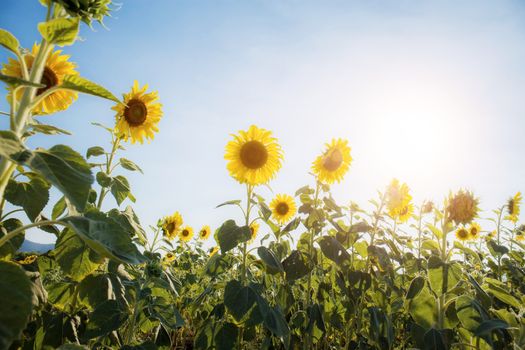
253,154
170,227
463,233
282,208
474,231
333,160
185,233
49,79
203,233
135,112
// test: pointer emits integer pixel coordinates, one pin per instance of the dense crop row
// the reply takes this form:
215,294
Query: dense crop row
301,271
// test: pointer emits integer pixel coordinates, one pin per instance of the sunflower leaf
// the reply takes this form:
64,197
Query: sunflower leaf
32,196
60,31
77,83
18,81
129,165
9,41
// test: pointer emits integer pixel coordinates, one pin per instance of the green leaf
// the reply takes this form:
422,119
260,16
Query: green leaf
129,165
434,340
439,271
229,235
470,312
72,347
11,247
270,260
423,308
59,208
32,196
60,294
120,189
60,31
500,291
333,250
486,327
48,129
9,41
94,290
104,235
107,317
103,179
496,249
218,264
276,323
239,300
15,81
296,266
95,151
129,221
66,170
232,202
11,147
168,315
16,306
226,336
416,286
77,83
75,258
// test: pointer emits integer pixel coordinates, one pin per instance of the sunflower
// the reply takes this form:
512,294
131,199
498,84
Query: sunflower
462,207
283,208
186,233
491,235
253,156
405,213
171,225
474,230
214,251
254,227
138,116
397,198
204,233
462,234
333,164
520,233
56,68
28,260
513,207
427,207
169,258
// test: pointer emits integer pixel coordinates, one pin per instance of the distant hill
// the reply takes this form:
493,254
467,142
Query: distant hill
29,246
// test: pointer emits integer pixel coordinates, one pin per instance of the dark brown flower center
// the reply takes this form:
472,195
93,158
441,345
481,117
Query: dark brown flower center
185,233
254,155
474,231
203,233
135,112
49,79
462,233
170,227
333,160
282,208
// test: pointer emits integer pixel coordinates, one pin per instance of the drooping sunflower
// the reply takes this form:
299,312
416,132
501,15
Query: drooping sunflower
56,68
397,198
204,233
332,165
186,234
171,225
28,260
462,234
405,213
138,117
462,207
254,227
283,208
253,156
513,207
474,231
214,251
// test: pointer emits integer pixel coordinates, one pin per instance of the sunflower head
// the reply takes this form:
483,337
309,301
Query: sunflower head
253,156
427,207
405,213
491,235
204,233
138,117
520,233
28,260
171,225
283,208
168,258
186,233
214,251
332,165
462,234
462,207
87,10
474,231
397,198
254,228
56,68
513,207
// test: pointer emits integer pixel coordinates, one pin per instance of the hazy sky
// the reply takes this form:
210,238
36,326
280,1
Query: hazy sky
430,92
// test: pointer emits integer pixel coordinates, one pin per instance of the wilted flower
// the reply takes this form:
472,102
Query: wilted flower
462,207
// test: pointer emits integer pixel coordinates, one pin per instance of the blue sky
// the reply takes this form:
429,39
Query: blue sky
430,92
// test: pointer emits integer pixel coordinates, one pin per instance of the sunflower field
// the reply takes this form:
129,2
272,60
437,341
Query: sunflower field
300,271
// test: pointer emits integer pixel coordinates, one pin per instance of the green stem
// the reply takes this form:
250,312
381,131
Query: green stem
103,191
19,230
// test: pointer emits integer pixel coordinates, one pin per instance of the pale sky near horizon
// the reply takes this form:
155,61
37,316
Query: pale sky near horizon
429,92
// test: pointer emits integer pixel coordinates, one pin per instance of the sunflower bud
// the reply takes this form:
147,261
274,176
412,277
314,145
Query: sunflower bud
87,10
462,208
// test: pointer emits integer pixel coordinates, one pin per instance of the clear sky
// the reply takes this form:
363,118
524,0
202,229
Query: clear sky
430,92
